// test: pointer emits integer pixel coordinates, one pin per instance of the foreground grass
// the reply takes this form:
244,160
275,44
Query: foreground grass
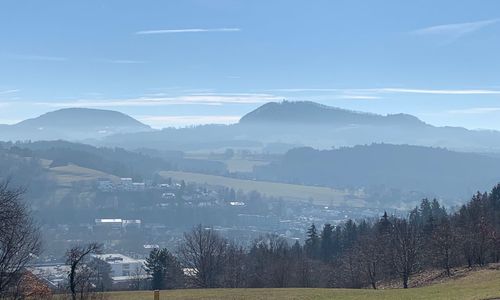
480,285
320,195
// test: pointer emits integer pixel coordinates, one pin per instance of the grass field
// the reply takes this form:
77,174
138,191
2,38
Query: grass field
320,195
479,285
66,175
237,163
242,165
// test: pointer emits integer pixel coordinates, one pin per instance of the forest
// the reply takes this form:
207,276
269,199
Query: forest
355,254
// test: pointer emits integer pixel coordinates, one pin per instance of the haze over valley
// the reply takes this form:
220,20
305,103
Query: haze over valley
316,150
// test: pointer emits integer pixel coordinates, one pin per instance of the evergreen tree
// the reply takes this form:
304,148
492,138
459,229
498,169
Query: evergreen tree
327,243
156,267
165,270
312,246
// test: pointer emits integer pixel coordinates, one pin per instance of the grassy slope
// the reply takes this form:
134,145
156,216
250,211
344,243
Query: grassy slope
320,195
479,285
242,165
233,164
65,176
68,174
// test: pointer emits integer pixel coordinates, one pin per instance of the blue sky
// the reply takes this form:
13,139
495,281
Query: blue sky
189,62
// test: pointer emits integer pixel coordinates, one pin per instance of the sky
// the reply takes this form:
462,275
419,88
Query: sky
177,63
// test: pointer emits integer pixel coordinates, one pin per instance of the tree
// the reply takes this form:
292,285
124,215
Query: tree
234,271
203,251
155,266
79,274
19,238
327,243
371,256
444,245
165,270
405,247
174,277
313,241
101,275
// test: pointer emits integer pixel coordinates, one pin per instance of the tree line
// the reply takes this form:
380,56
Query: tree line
354,254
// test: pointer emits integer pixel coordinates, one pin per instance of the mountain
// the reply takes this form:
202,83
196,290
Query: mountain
432,171
291,124
311,113
273,127
73,124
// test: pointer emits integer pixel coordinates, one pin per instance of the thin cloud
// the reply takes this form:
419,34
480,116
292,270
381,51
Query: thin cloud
187,30
368,92
11,91
303,90
181,121
454,31
475,111
440,91
359,97
193,99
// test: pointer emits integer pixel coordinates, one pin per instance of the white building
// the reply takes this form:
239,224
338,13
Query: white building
131,223
123,268
105,185
127,183
109,223
118,224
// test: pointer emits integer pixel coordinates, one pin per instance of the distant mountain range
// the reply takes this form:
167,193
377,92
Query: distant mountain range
278,127
72,124
273,127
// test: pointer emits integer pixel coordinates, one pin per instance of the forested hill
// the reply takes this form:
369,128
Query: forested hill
311,124
116,161
307,112
72,124
410,168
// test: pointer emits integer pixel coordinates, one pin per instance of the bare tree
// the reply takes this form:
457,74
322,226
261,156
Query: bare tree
234,270
444,242
139,279
203,251
371,257
19,238
405,248
79,273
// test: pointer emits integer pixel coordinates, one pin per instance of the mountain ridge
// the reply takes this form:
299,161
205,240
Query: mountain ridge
308,112
73,124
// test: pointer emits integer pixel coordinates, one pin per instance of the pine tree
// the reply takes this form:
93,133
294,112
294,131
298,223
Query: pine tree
155,266
327,243
165,270
312,242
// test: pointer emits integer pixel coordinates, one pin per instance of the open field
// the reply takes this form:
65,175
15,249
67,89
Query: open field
320,195
237,163
66,175
479,285
242,165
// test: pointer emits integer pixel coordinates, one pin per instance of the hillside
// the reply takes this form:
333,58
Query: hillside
320,195
411,168
73,124
307,112
306,123
478,285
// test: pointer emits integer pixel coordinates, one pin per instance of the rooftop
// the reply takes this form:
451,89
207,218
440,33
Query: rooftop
115,258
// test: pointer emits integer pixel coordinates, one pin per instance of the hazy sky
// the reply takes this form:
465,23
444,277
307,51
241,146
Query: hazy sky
182,62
